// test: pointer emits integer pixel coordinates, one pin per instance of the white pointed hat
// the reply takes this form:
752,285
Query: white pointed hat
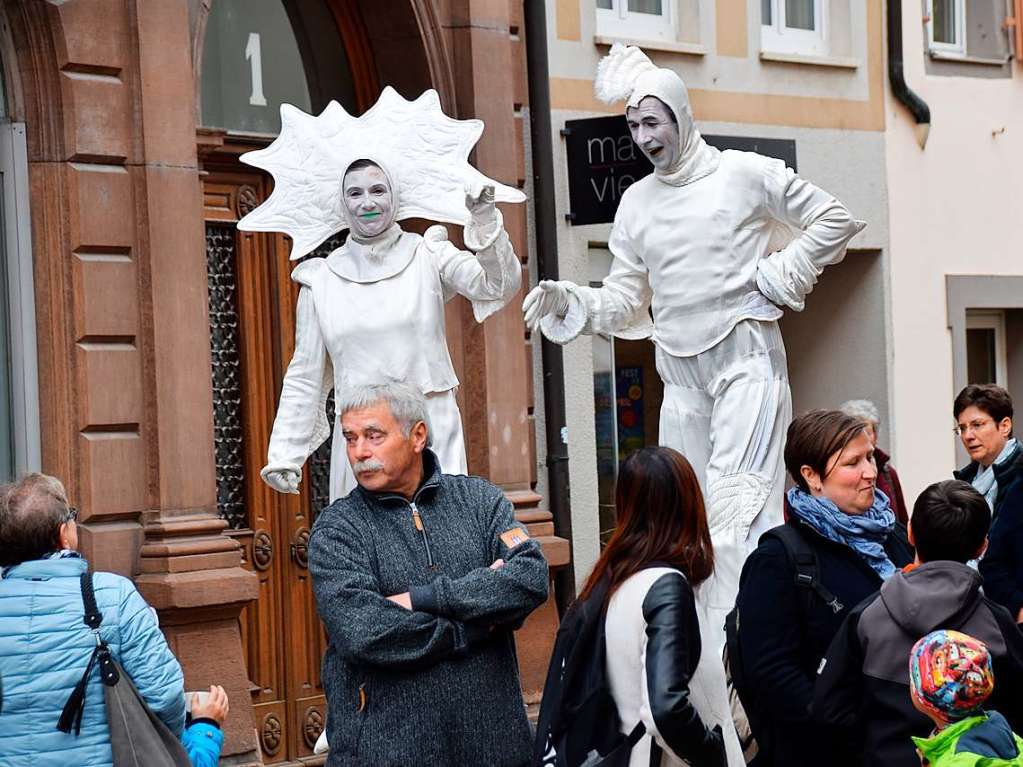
425,152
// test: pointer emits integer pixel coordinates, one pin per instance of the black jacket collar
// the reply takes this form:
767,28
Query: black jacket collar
1005,471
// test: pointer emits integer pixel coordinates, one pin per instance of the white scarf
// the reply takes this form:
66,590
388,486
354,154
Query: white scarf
985,482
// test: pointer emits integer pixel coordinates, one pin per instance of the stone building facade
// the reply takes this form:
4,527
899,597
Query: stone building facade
147,338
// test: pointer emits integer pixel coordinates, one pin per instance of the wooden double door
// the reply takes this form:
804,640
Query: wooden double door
252,320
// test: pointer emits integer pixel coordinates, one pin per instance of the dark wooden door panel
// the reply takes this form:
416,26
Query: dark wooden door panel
252,321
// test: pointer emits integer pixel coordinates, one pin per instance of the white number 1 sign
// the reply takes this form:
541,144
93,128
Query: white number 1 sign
255,58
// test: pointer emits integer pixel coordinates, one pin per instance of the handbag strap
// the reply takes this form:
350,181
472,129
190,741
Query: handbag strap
93,617
74,707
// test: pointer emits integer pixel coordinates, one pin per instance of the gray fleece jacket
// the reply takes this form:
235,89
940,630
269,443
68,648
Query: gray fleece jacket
437,685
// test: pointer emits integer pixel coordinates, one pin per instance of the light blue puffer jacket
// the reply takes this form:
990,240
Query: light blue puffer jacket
44,649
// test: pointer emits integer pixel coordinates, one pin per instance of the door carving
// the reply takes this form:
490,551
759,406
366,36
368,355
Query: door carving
252,319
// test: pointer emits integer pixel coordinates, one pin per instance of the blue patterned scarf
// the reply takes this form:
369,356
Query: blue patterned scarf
863,533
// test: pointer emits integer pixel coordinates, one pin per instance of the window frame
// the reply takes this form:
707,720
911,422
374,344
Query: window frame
776,37
619,22
17,265
991,319
958,48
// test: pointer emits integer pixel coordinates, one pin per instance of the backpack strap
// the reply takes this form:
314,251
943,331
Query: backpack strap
74,707
803,561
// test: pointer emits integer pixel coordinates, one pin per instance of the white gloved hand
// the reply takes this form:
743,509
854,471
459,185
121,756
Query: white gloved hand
549,297
480,201
282,480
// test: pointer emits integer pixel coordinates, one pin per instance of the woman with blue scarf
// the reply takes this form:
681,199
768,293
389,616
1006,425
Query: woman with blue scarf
841,529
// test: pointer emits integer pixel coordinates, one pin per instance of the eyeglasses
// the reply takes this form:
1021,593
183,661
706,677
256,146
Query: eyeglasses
973,426
71,514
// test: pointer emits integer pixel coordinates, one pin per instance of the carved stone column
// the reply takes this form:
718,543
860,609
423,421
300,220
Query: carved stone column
489,71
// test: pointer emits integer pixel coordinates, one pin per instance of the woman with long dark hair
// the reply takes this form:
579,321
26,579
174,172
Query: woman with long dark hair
659,554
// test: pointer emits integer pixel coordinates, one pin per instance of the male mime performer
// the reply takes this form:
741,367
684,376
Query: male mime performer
373,310
698,242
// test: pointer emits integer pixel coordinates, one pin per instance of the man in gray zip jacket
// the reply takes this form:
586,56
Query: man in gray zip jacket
420,578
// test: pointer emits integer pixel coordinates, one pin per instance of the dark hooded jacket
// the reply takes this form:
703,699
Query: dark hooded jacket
862,687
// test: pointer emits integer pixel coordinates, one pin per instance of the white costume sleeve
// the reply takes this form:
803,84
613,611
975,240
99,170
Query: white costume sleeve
490,278
620,307
823,226
301,423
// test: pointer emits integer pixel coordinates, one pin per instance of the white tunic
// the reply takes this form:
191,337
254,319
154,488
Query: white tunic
374,311
700,255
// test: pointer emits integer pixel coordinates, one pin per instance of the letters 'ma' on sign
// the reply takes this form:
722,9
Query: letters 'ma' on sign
603,162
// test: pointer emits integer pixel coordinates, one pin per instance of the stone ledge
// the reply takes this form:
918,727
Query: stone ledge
198,588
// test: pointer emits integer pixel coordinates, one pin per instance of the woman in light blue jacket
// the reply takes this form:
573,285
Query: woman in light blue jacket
45,645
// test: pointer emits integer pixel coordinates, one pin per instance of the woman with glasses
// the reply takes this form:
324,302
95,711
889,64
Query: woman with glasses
45,644
984,424
983,414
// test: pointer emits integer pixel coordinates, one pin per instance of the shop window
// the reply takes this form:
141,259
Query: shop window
637,19
985,347
794,26
258,54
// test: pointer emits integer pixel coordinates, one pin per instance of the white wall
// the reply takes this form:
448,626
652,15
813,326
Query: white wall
955,208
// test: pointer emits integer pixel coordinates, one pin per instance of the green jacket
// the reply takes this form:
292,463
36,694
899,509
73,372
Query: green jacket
980,741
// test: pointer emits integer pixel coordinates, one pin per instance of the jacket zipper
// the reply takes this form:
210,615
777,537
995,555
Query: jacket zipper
417,520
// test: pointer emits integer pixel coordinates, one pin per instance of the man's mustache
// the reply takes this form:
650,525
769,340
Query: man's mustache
371,465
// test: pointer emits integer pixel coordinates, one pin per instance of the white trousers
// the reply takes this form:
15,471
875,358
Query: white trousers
727,410
447,441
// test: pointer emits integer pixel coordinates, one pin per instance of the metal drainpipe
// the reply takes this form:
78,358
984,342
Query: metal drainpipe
538,78
897,75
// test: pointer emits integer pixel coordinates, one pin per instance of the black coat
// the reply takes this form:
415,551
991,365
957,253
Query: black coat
863,687
1008,474
1002,565
782,647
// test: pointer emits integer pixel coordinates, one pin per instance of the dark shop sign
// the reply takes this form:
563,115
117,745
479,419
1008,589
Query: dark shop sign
603,162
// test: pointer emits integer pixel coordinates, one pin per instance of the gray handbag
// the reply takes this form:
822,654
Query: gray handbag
137,736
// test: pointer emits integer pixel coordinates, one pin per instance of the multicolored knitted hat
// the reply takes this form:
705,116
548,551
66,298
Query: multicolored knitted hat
950,675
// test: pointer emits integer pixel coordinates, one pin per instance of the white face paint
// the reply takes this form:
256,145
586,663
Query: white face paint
367,197
655,132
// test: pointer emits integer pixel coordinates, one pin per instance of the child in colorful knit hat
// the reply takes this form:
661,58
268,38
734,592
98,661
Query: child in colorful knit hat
950,678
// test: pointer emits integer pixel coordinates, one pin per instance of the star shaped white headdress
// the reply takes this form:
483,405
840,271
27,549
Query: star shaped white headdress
425,152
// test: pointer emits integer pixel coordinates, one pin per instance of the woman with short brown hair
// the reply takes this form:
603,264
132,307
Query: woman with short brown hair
843,530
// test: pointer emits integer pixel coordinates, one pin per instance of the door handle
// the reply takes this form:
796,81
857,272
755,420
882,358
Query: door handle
300,547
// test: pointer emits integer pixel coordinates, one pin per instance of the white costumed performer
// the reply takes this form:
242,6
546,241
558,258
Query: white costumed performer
373,309
714,242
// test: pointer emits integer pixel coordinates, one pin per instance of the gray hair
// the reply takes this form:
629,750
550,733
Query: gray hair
407,403
31,513
862,408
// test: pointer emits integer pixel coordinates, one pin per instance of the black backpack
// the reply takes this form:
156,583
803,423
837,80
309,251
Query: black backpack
802,562
578,722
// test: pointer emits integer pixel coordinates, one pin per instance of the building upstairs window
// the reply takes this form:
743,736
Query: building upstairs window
794,27
637,19
945,26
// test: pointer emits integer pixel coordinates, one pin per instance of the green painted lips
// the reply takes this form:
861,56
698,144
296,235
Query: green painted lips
374,214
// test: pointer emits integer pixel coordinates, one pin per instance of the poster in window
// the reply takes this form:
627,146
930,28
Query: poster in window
629,390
